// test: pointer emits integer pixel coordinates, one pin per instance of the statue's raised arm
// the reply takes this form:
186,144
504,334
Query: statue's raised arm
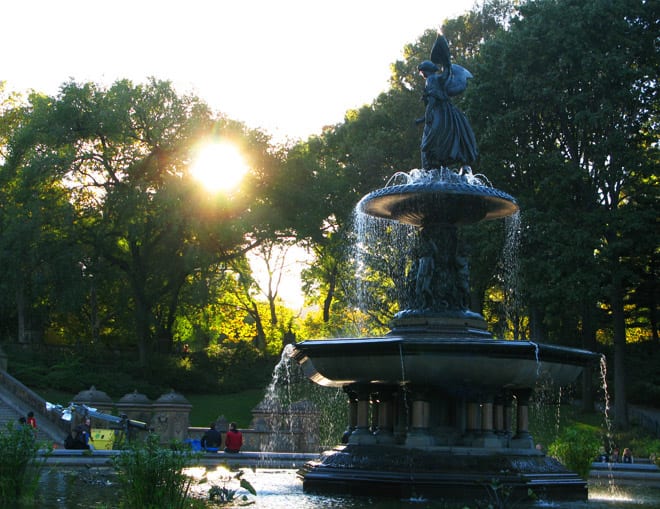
448,138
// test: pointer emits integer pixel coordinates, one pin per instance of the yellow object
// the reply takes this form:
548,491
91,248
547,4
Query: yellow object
102,439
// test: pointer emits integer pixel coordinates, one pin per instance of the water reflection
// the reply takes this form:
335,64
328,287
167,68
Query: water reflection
68,488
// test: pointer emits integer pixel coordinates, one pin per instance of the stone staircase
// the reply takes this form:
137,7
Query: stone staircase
17,400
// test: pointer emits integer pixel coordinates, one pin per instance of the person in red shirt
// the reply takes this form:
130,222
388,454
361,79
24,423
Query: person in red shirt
31,421
233,439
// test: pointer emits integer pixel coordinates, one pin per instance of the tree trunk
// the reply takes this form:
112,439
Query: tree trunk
620,400
142,329
332,283
536,327
261,334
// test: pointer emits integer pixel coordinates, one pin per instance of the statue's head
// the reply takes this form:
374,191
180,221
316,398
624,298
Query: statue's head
427,67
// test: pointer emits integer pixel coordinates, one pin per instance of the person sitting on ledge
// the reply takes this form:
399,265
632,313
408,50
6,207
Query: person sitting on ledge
211,439
627,456
233,440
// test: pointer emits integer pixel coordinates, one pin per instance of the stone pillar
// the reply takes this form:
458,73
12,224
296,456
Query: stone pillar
385,432
498,415
171,417
374,406
508,415
137,407
361,434
351,425
472,419
486,437
420,434
522,438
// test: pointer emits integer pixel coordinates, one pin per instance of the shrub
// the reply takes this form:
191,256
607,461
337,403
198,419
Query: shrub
151,476
577,447
20,466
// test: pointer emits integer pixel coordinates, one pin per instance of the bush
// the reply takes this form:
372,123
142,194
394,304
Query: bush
20,466
577,447
152,477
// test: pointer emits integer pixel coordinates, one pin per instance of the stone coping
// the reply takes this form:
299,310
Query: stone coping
72,458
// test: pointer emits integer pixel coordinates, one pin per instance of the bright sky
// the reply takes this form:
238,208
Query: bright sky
289,67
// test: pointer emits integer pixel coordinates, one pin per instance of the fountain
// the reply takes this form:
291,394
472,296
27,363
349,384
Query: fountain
438,407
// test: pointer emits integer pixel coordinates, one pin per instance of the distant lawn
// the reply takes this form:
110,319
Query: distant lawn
235,407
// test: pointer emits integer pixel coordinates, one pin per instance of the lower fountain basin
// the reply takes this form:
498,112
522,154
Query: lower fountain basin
454,364
441,474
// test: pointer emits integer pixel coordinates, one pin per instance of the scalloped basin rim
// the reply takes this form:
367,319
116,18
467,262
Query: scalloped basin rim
412,203
453,364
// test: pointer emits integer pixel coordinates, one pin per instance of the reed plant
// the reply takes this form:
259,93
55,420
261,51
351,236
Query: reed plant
152,476
20,465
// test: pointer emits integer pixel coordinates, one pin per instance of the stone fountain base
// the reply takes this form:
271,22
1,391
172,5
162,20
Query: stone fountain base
442,473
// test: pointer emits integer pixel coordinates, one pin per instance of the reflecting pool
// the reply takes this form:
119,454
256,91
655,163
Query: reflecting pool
69,488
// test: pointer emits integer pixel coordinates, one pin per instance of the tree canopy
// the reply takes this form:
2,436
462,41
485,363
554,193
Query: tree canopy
107,239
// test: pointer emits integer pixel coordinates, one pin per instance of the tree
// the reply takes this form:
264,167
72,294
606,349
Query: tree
122,156
568,118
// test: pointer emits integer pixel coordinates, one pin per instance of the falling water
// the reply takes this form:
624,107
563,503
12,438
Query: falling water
289,387
278,398
606,395
558,411
370,235
511,265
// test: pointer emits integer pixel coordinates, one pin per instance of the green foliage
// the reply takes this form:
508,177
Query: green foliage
151,476
577,447
19,465
226,369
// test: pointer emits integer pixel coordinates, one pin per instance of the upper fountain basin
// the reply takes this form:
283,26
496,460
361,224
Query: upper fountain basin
455,203
456,365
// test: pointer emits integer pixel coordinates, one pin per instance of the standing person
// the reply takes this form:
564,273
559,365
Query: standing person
211,439
85,433
31,420
233,439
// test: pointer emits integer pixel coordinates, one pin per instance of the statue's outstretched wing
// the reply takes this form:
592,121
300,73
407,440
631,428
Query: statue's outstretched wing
440,52
457,82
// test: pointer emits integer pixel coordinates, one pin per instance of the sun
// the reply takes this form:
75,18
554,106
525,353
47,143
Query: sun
219,166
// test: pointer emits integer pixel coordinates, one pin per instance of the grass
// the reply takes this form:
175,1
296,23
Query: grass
235,407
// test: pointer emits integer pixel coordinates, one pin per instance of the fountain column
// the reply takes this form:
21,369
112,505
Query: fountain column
419,434
385,432
352,412
508,415
487,438
498,415
522,439
471,420
362,435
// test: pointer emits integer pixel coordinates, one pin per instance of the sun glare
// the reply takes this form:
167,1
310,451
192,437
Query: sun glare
219,166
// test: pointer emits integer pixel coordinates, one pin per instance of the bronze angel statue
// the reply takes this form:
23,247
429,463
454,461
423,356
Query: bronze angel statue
448,138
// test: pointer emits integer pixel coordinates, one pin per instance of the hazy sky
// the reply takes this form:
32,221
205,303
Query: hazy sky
287,66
